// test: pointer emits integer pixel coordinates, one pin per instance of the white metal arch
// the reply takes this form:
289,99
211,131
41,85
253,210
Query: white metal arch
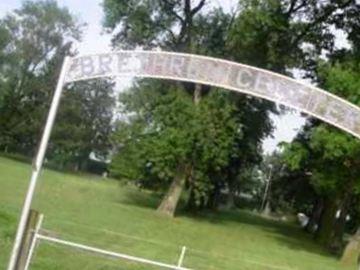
220,73
191,68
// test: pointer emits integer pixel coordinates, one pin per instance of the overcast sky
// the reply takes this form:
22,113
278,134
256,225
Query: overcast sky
94,40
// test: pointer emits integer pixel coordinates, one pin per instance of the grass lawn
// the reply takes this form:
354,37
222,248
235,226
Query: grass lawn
104,214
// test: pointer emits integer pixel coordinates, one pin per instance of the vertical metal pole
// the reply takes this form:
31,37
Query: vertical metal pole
33,242
31,222
37,165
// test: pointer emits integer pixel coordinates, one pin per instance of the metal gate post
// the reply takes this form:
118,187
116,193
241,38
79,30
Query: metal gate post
37,165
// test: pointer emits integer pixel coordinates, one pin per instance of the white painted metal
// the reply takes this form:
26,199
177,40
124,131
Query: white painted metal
220,73
34,242
108,253
37,165
181,259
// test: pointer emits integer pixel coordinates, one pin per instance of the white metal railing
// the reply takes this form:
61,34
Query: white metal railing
38,236
111,253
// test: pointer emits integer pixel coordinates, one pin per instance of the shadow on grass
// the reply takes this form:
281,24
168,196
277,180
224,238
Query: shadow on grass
287,234
7,225
140,198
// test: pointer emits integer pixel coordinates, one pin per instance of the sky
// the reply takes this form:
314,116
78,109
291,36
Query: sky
95,40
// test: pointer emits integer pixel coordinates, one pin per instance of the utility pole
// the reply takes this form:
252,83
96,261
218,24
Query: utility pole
265,205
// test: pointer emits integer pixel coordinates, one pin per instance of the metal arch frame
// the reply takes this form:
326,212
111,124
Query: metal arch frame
206,69
309,107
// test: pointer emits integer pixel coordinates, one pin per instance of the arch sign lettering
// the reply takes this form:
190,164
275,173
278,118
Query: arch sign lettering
198,69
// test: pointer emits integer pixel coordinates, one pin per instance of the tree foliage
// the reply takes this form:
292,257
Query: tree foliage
34,41
164,129
277,35
329,155
37,37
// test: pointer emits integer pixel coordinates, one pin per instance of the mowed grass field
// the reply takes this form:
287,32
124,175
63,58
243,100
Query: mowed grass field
105,214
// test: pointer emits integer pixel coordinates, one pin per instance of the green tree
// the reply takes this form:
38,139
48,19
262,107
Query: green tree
35,36
258,34
84,125
165,130
36,39
173,25
330,156
282,35
271,35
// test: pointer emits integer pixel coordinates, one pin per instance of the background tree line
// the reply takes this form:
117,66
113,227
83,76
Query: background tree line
34,41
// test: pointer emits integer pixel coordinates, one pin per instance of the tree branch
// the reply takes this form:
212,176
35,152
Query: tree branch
198,7
303,4
172,35
187,9
293,8
170,7
320,19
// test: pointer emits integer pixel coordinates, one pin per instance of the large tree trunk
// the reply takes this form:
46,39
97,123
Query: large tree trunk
351,252
339,228
215,196
172,197
315,216
327,222
267,210
197,94
191,205
230,200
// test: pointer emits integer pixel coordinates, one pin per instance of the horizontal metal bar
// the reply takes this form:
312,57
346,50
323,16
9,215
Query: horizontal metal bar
108,253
